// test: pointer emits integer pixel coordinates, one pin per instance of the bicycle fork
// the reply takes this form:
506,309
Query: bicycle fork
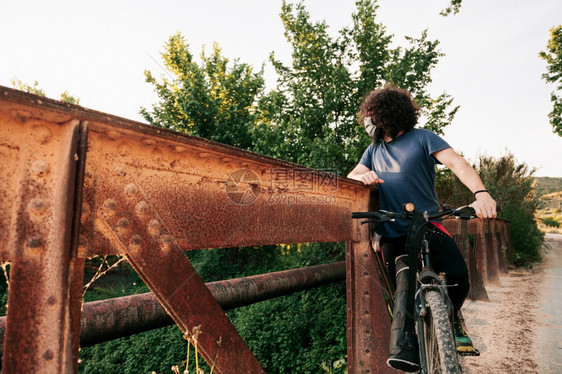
427,280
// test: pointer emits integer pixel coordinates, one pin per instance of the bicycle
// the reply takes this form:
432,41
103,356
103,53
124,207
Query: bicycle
433,311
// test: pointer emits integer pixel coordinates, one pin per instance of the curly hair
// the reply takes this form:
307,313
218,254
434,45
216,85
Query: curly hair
391,110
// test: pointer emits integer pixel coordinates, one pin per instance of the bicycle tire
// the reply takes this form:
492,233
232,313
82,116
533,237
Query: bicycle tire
438,339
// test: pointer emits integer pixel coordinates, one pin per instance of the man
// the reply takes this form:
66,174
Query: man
401,162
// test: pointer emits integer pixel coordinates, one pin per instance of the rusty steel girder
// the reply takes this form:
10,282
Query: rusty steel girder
485,258
39,174
117,317
149,193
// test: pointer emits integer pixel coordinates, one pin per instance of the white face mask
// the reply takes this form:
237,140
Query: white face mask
369,126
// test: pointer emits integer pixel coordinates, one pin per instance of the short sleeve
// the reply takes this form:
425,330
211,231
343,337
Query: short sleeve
435,143
367,158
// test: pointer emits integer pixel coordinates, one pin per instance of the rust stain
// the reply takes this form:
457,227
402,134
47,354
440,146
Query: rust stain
150,193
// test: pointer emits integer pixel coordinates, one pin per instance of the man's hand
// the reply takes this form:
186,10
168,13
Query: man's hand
484,206
364,174
370,177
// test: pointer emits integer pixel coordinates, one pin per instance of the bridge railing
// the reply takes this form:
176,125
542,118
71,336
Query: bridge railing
76,183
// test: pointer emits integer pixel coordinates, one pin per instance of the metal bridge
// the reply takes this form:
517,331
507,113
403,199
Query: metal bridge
76,183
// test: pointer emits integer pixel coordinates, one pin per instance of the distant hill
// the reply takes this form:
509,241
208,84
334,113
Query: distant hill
547,185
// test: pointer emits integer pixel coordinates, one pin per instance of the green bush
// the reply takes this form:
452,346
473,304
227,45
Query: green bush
513,187
297,333
294,333
549,221
155,350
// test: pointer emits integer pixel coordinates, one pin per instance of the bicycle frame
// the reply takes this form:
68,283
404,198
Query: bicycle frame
427,284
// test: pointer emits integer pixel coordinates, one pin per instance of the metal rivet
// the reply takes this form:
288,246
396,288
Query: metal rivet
49,355
52,300
39,167
148,141
135,242
123,223
203,154
42,134
141,207
37,206
109,206
119,171
21,115
34,246
131,189
179,148
365,273
34,243
154,227
166,242
112,134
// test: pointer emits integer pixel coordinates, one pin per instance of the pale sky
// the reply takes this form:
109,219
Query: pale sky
98,51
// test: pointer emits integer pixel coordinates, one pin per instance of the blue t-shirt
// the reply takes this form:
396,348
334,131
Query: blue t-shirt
407,167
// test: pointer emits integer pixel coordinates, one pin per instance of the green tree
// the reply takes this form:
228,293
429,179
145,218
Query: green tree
210,99
553,57
311,116
454,8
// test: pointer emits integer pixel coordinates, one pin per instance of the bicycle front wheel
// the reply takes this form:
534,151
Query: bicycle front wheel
439,351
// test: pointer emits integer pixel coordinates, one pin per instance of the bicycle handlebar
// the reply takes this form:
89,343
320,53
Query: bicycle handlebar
381,216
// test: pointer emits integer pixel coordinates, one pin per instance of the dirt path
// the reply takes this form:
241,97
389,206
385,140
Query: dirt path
510,330
548,342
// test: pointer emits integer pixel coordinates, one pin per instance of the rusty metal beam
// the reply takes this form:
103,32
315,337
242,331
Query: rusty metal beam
149,193
459,230
114,318
368,321
39,162
493,255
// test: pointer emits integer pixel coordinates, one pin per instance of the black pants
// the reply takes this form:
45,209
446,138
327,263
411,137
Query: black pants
445,256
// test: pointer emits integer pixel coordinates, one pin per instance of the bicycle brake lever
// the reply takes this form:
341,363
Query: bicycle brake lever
465,212
370,221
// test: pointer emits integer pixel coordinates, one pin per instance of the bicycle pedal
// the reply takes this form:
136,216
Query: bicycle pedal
472,352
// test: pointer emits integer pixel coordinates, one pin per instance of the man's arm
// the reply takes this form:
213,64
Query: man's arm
365,175
485,205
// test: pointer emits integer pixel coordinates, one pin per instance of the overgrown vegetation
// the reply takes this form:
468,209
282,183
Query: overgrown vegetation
550,212
512,185
36,90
